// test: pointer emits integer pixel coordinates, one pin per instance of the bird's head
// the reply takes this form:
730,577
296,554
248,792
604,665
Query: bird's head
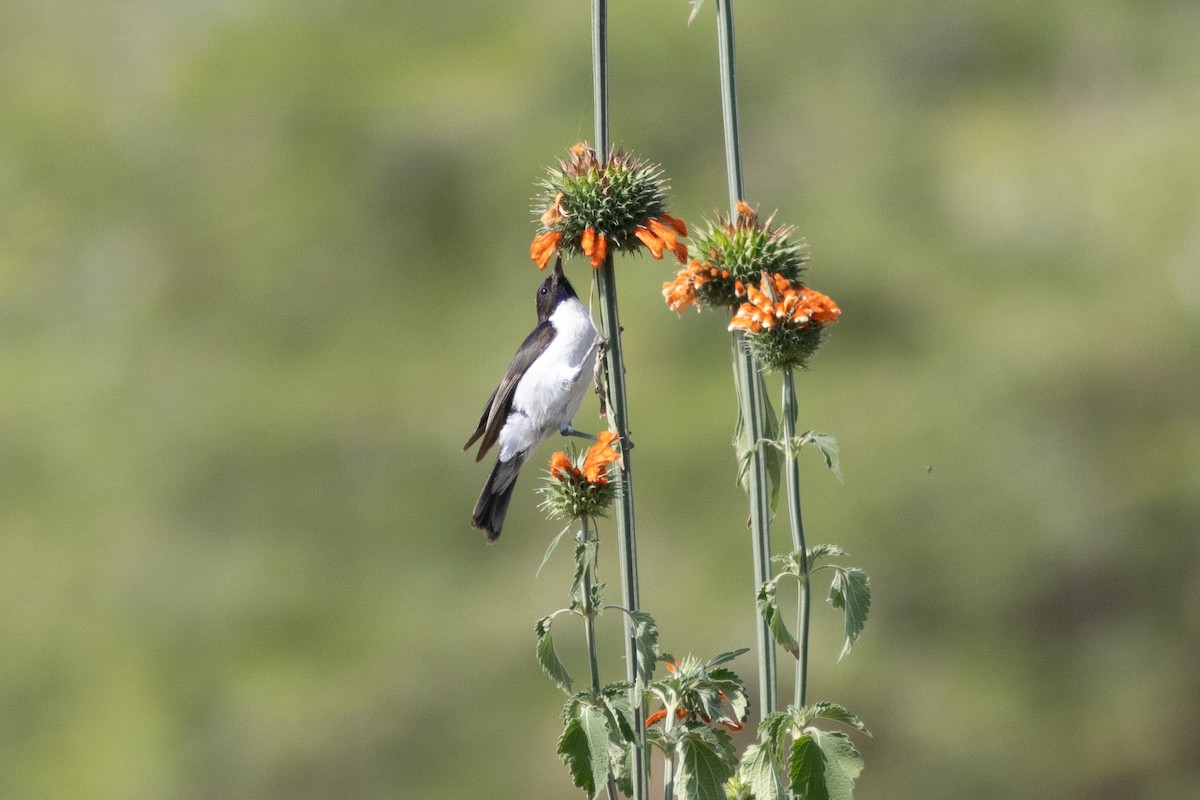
555,289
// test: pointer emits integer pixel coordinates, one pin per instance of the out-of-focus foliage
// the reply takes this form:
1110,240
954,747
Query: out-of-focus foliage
262,262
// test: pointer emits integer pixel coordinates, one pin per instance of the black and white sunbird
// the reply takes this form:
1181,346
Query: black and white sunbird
539,394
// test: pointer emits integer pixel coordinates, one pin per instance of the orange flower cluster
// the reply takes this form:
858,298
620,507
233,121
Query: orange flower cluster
663,233
595,462
658,234
796,303
683,292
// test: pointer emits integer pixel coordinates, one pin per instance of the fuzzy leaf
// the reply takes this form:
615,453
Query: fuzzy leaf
548,658
621,759
771,431
731,685
828,447
773,730
768,606
836,712
726,657
619,712
583,747
820,551
759,770
585,556
806,769
706,761
645,634
843,764
851,592
550,549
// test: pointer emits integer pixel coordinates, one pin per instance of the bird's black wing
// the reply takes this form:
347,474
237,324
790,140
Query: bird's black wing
495,413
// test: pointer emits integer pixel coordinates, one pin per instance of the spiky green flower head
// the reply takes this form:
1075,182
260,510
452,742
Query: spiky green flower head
784,322
590,208
582,485
731,255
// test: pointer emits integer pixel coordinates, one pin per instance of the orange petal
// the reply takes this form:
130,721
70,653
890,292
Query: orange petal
652,242
560,465
587,242
662,232
657,716
681,252
544,245
677,225
599,251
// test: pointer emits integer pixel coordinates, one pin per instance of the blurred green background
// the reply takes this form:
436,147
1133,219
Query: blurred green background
262,262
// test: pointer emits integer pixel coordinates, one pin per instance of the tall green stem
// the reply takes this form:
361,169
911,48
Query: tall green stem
610,324
751,396
792,481
589,627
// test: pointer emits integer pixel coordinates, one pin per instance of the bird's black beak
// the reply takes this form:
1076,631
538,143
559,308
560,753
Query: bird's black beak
558,270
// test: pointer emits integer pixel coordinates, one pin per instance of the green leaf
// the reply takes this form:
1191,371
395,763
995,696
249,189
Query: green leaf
550,549
731,685
645,634
851,592
585,557
820,551
836,712
706,761
726,657
828,447
620,757
548,658
842,762
770,431
759,770
768,606
619,711
773,730
806,769
583,747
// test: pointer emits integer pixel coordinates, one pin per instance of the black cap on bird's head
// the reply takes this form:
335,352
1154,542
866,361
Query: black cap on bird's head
555,289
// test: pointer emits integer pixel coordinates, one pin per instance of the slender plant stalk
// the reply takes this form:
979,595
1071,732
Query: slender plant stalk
669,757
746,369
610,324
792,480
589,628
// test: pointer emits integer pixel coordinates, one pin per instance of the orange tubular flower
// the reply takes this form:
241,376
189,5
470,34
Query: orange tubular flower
668,229
560,466
652,242
543,247
675,223
599,251
661,714
599,456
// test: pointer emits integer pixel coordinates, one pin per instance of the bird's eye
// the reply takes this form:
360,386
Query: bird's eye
542,290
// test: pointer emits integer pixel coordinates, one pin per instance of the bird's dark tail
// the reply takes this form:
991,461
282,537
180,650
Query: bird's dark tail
492,506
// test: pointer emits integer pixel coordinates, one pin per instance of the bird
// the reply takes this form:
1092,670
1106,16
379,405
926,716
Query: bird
538,395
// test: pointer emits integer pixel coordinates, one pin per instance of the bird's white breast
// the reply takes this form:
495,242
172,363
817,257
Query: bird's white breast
552,389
